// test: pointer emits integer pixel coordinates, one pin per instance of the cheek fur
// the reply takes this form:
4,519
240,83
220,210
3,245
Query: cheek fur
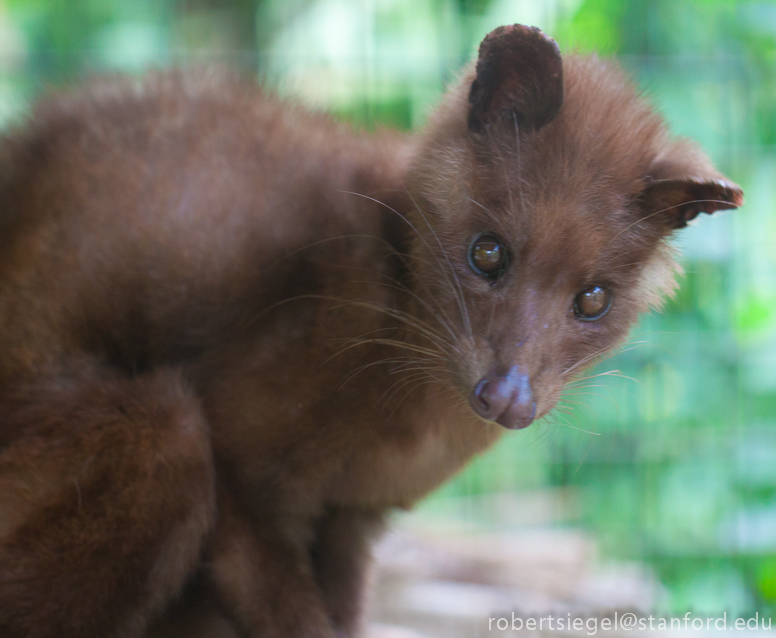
658,279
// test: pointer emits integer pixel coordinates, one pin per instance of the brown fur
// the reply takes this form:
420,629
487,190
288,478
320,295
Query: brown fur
233,335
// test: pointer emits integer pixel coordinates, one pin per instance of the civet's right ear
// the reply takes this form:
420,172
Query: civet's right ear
520,76
677,201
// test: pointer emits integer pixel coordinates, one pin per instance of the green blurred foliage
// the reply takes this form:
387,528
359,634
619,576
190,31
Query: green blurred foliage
674,455
766,579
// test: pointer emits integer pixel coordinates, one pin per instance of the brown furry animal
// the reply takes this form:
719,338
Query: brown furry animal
233,335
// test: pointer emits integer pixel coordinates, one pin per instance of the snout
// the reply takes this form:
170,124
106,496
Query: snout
505,399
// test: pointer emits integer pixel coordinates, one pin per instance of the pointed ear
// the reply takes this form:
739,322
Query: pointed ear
520,73
677,201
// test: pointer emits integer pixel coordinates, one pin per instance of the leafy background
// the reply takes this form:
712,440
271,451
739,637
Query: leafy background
673,461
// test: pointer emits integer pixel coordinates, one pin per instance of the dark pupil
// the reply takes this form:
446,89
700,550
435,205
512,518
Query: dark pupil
487,256
592,301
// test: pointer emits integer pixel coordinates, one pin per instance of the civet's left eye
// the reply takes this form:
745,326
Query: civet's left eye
592,303
488,257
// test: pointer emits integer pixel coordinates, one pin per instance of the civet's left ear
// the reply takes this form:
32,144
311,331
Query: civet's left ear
520,76
676,201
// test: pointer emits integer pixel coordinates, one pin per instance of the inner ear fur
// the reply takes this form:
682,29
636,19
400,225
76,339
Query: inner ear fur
677,201
520,76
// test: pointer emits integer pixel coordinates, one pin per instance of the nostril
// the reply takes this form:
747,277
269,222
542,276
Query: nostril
491,396
480,399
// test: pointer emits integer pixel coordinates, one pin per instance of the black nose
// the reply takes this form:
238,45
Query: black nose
507,400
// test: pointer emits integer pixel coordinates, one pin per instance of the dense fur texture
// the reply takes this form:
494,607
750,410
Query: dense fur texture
234,335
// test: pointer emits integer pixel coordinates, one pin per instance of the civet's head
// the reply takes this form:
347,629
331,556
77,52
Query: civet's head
546,190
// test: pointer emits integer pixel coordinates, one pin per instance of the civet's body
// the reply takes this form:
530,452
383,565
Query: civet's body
234,335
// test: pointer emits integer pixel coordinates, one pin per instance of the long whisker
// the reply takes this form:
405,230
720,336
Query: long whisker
584,360
402,217
386,342
395,284
400,315
519,166
461,300
476,203
410,320
416,363
461,296
573,427
331,239
572,389
577,386
587,447
689,201
401,383
609,373
631,345
412,389
503,165
387,360
592,394
426,305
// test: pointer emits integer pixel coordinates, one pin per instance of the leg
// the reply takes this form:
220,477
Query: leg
195,615
262,574
276,597
106,494
341,556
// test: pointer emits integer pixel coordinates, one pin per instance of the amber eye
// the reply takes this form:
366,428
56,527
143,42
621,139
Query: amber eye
592,303
488,256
